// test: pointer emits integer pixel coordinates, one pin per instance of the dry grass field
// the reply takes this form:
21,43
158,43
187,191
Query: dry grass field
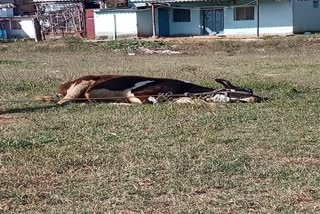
166,158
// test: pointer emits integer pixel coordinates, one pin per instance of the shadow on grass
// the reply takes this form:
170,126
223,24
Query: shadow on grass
29,109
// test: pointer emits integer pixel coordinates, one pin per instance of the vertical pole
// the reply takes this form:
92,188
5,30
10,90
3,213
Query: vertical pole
41,36
258,17
10,23
153,21
35,30
115,27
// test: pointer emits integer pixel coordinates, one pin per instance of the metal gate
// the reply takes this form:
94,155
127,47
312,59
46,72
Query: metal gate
212,21
60,18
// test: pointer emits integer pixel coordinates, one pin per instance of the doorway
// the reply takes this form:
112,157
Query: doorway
212,21
163,15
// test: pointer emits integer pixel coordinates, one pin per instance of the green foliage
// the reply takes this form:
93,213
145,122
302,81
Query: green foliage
130,45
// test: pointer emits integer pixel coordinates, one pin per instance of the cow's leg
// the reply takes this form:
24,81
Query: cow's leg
75,91
132,99
144,97
112,96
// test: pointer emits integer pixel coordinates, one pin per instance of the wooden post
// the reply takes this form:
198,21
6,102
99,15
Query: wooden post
115,27
36,39
153,21
258,17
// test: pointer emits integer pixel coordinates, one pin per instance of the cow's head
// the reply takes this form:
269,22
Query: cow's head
232,93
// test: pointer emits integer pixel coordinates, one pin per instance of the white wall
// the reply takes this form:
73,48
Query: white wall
186,28
27,30
6,12
305,17
126,23
275,18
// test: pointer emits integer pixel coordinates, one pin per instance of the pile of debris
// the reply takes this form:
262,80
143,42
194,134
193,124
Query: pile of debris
158,51
154,51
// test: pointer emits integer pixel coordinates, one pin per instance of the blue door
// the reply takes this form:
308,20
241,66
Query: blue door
163,15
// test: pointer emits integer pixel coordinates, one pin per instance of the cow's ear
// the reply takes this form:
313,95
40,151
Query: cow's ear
225,83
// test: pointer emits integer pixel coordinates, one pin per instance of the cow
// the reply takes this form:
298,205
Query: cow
148,90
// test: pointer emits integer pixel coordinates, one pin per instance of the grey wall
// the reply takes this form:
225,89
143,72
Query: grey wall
305,16
144,23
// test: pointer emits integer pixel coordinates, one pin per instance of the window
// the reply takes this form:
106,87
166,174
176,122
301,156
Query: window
315,3
15,25
181,15
244,13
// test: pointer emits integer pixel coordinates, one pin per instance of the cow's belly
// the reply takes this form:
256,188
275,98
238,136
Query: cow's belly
110,95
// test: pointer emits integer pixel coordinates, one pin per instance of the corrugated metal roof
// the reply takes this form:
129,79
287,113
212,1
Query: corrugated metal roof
6,1
7,4
116,10
17,18
170,1
39,1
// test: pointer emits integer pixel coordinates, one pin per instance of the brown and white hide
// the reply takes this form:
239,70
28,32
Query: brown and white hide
142,90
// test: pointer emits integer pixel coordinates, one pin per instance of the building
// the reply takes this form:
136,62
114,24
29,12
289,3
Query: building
122,23
16,21
233,17
208,17
238,17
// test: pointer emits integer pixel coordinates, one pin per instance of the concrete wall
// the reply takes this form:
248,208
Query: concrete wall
6,12
144,23
27,30
126,23
305,16
275,18
181,28
186,28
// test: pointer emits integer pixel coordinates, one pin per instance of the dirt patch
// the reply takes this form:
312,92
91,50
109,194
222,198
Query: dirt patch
52,46
299,161
270,75
6,119
154,51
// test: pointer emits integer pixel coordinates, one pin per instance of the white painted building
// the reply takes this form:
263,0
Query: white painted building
12,26
18,27
122,23
24,27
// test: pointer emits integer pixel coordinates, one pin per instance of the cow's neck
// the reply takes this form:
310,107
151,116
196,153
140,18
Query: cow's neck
192,88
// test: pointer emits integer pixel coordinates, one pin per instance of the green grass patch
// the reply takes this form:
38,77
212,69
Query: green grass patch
166,158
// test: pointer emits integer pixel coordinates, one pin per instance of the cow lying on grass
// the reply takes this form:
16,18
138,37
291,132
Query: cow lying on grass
143,90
